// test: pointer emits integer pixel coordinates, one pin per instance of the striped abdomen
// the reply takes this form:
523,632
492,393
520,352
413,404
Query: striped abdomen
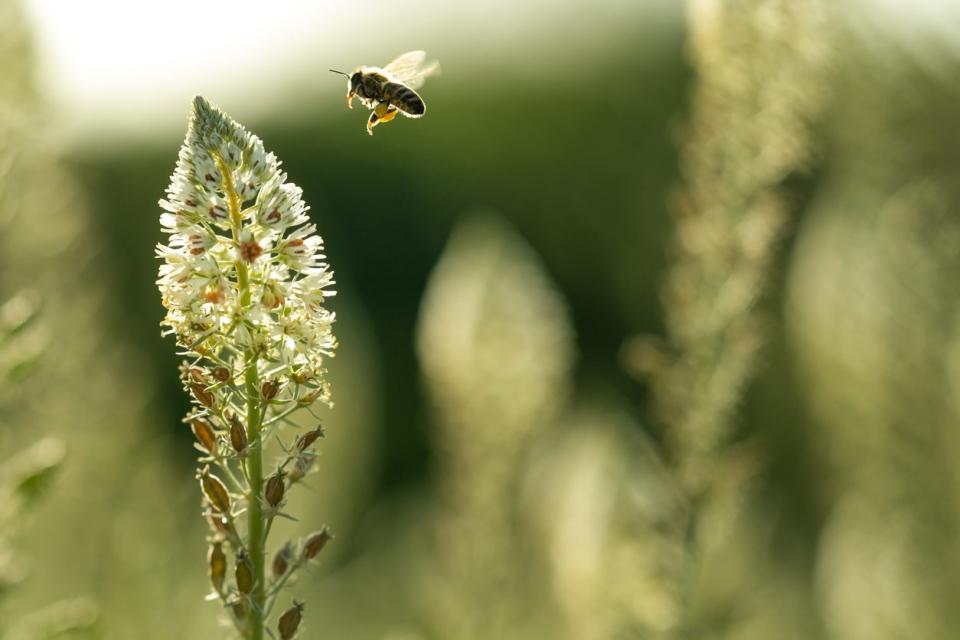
404,98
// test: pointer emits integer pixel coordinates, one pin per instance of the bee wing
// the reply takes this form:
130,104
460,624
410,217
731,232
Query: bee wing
408,60
406,68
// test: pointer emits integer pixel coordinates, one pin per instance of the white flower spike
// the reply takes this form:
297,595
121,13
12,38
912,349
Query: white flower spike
242,263
245,286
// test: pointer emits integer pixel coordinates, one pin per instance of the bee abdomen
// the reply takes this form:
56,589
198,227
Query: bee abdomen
405,99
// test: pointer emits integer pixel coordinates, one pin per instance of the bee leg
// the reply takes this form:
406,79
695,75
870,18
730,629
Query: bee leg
350,95
372,122
383,112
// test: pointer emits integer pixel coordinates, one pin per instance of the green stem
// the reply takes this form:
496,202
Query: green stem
256,535
275,588
257,538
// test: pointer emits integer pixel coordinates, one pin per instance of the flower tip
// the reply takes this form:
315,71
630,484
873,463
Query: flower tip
200,104
203,111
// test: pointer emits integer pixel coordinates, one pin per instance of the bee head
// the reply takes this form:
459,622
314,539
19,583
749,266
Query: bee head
355,80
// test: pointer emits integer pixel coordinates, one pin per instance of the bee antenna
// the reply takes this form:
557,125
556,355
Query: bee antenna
340,72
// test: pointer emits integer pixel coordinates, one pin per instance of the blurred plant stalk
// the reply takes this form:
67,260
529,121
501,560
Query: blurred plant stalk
760,68
872,312
244,285
497,349
25,475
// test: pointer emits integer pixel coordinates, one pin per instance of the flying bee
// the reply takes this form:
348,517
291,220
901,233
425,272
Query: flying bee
391,89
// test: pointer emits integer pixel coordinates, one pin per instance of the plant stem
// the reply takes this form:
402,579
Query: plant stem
256,538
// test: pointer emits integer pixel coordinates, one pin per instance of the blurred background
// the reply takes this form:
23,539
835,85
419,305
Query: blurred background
648,330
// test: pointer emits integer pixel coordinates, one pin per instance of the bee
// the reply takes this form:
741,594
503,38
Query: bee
391,90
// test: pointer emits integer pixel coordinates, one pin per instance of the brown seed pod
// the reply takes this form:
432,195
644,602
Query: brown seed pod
215,491
275,488
204,435
238,436
310,398
218,523
290,621
315,543
217,560
244,573
203,396
269,390
307,439
222,374
239,610
281,560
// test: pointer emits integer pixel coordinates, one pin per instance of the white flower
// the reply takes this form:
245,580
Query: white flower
280,205
300,250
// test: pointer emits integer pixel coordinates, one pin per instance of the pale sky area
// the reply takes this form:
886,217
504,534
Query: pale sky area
121,62
116,64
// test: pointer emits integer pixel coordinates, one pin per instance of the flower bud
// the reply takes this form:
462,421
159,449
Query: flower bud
290,621
244,573
215,491
204,435
269,389
272,296
282,560
275,488
307,439
218,566
238,436
315,543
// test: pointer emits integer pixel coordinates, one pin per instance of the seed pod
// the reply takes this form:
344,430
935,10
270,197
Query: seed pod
276,487
239,610
215,491
222,374
244,573
290,621
301,378
218,523
302,466
307,439
204,435
315,543
269,390
281,560
218,566
238,437
309,398
203,396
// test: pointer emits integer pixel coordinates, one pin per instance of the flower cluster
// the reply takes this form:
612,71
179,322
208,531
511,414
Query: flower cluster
244,283
243,270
